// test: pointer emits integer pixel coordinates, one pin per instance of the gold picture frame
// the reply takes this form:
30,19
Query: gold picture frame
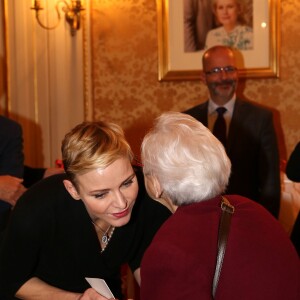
175,64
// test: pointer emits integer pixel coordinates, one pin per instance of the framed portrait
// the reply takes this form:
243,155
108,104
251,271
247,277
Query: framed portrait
258,53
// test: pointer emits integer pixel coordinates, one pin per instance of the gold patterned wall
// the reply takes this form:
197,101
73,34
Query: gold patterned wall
125,71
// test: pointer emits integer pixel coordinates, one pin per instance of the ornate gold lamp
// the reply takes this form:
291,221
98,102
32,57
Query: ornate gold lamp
71,9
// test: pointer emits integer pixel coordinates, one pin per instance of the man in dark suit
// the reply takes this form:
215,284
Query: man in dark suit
15,178
250,139
11,166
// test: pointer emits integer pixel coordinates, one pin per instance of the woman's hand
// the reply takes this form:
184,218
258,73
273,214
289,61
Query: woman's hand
91,294
37,289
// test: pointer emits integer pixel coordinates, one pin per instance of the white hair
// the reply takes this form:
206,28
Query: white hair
188,161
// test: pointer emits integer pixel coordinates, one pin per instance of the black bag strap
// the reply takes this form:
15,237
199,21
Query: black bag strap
227,212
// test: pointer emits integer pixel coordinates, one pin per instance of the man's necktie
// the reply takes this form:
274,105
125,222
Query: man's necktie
219,129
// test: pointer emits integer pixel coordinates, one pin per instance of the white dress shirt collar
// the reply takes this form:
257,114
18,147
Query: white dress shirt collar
212,106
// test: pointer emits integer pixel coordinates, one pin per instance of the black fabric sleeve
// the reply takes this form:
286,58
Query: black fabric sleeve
21,244
293,165
32,175
269,166
11,148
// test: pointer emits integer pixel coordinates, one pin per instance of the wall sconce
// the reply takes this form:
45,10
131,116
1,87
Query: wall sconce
72,14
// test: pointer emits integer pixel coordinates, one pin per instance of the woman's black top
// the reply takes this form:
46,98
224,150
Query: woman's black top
50,236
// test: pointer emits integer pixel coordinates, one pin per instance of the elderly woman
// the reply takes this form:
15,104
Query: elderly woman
85,223
187,168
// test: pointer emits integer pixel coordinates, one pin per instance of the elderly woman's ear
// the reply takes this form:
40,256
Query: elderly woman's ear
156,192
153,186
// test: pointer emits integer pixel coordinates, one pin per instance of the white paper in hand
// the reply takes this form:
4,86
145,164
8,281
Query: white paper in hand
101,287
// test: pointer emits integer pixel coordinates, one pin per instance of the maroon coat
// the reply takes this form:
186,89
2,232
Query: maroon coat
260,261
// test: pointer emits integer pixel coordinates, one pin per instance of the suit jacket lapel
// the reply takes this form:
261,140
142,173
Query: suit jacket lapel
202,113
239,114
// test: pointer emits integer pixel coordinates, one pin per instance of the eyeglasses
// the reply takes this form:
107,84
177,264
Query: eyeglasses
219,70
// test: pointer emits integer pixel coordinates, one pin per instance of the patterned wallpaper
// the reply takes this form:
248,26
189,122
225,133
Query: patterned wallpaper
125,71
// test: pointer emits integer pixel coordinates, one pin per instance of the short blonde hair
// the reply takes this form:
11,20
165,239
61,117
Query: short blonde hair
93,145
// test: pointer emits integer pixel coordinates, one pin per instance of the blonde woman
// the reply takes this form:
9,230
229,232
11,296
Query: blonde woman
85,223
233,30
